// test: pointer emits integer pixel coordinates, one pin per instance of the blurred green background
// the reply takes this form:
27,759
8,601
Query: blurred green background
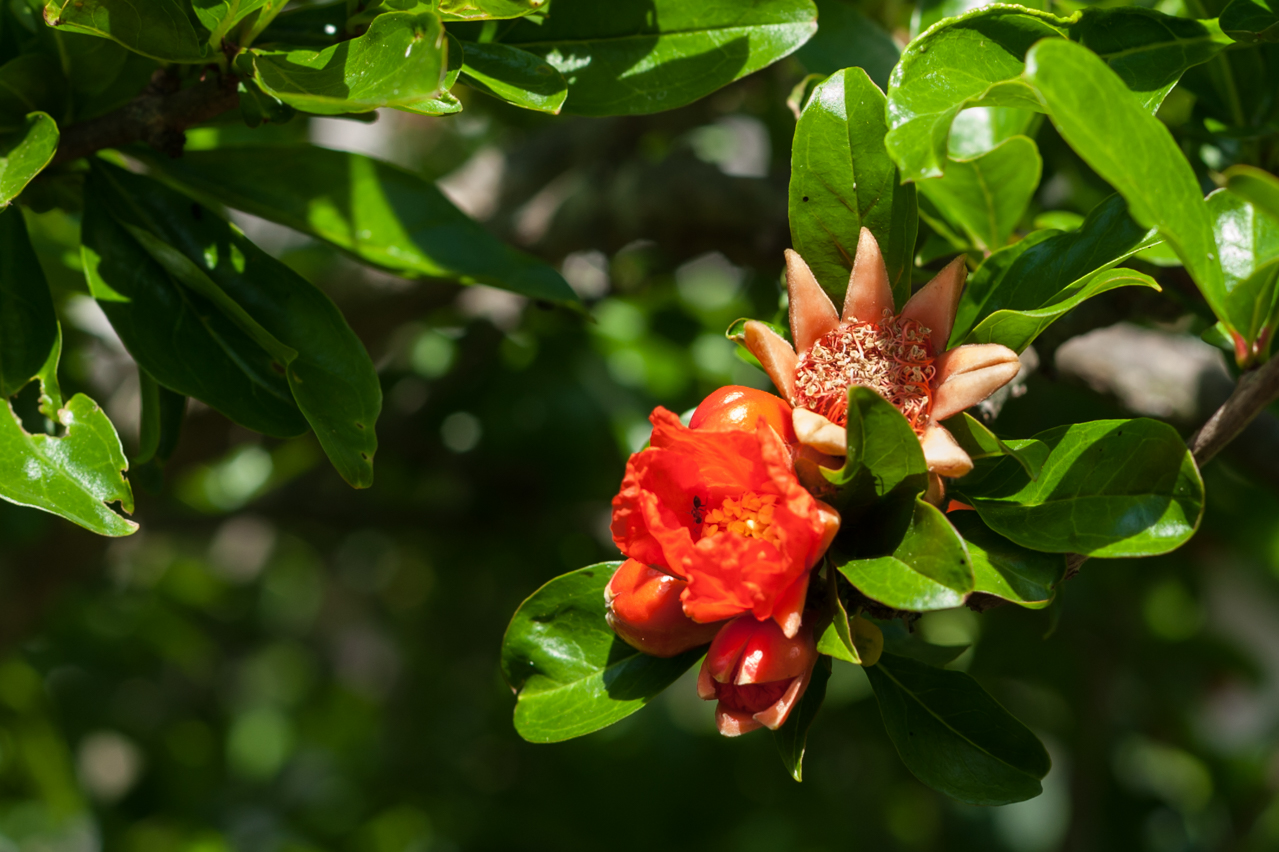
277,662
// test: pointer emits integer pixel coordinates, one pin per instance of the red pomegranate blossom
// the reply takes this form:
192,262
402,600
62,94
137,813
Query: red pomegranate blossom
723,511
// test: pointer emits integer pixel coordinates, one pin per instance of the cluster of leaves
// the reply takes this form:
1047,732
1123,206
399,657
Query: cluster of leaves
204,312
951,143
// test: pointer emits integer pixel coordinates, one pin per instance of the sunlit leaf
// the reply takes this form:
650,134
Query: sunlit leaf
157,28
24,152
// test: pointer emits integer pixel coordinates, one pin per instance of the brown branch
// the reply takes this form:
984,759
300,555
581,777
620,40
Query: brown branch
159,117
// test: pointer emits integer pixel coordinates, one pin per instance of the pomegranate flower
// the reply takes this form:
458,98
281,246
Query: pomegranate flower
723,511
901,357
756,673
643,608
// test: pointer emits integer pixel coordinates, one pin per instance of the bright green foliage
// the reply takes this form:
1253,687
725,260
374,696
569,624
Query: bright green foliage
635,57
571,673
164,32
75,475
397,63
929,567
954,736
1106,488
24,151
378,212
979,442
842,181
1247,238
514,75
986,195
1133,151
1021,289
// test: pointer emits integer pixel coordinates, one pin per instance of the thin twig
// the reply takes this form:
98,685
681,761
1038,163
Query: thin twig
159,117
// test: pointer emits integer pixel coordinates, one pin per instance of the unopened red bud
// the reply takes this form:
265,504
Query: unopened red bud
643,608
756,674
737,407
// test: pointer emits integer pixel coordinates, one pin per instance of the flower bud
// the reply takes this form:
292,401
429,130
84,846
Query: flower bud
756,673
737,407
643,608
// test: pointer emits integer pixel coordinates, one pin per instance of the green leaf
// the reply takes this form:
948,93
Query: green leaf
74,476
1107,488
846,38
257,107
159,29
792,737
219,16
480,10
175,334
329,374
633,57
836,637
379,213
1250,20
902,642
884,457
444,103
977,59
162,415
987,195
929,568
954,737
28,326
24,153
514,75
1247,240
399,61
978,130
842,180
981,443
1133,151
1021,289
1007,570
1256,186
572,675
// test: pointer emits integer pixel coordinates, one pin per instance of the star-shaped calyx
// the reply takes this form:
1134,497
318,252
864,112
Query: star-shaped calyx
902,357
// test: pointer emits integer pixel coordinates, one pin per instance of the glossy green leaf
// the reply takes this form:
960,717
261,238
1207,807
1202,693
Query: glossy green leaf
842,180
929,12
479,10
1007,570
1250,20
24,152
28,326
572,675
176,335
75,476
986,195
1021,289
929,568
445,102
633,57
159,29
792,736
903,642
977,59
884,456
258,108
847,38
514,75
954,737
380,213
1133,150
330,376
978,130
1247,240
400,60
1256,186
981,443
162,415
1107,488
219,16
834,634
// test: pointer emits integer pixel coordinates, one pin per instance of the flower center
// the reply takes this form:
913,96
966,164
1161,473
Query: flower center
751,515
893,357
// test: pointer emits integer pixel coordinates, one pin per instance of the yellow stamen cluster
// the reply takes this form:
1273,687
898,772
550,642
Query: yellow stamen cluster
892,357
751,516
